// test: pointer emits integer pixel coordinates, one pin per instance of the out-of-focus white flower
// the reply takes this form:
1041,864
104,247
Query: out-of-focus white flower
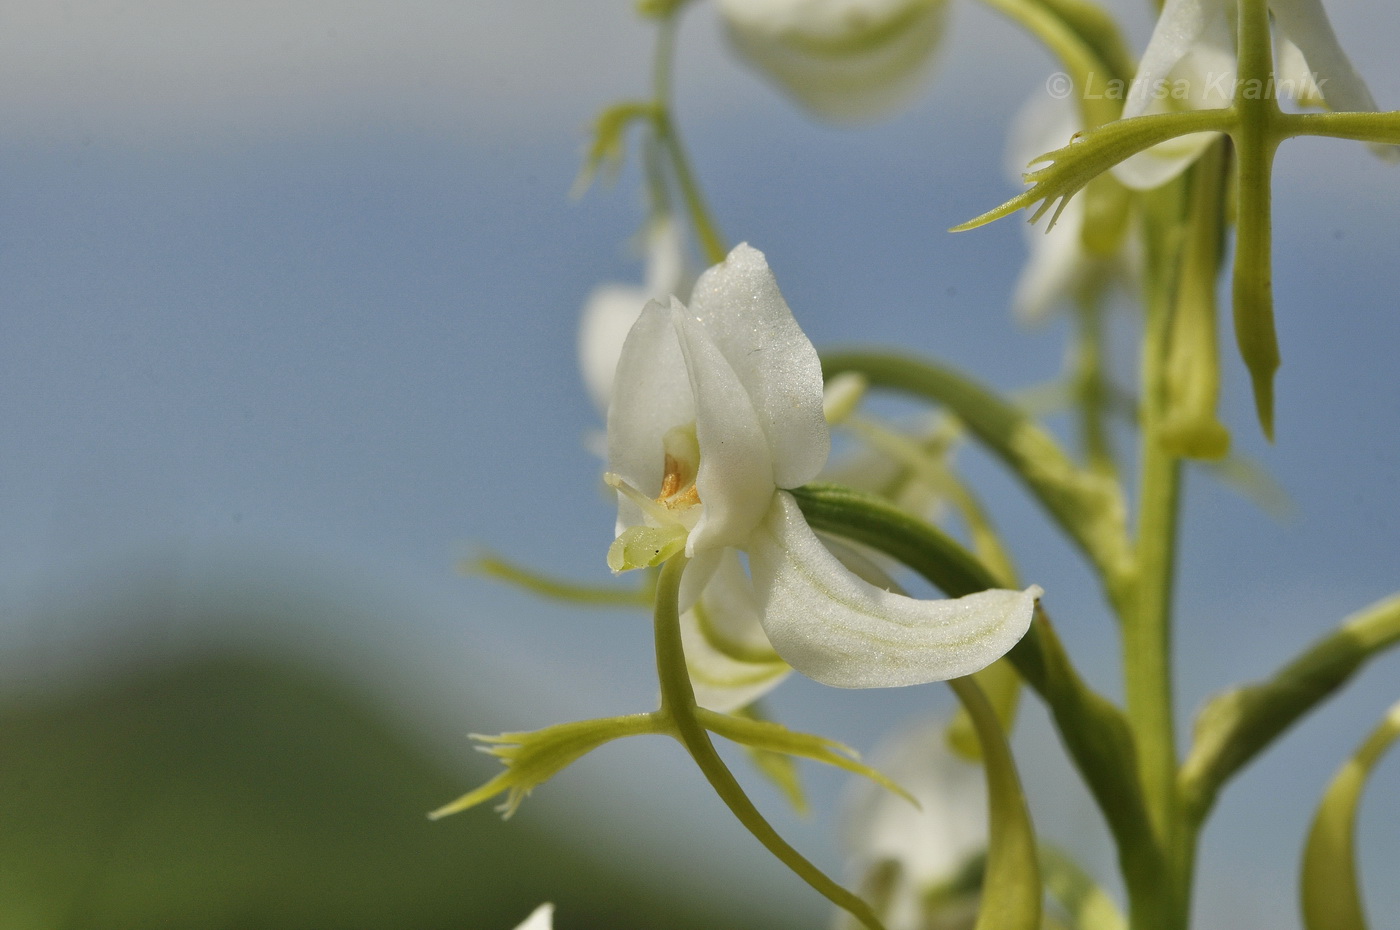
1060,269
914,854
716,409
845,60
1190,62
611,309
542,918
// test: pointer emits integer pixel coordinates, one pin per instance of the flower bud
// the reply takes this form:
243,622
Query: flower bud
845,60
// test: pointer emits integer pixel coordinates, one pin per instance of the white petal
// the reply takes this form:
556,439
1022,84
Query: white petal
735,478
1293,74
932,843
846,60
541,919
667,273
611,309
1054,267
1193,42
1057,259
730,660
651,395
607,318
835,628
742,310
1305,24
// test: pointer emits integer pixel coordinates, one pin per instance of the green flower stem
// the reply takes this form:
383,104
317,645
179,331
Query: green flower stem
1011,891
678,705
1090,386
1238,725
1080,59
668,137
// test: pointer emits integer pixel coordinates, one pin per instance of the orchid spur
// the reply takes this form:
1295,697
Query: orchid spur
716,410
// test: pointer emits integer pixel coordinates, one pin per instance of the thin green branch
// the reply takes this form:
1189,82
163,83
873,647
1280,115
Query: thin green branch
1236,726
678,703
668,138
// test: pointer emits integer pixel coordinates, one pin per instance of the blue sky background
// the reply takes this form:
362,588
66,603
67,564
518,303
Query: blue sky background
288,295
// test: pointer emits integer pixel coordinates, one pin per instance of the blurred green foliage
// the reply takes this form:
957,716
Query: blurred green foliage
241,792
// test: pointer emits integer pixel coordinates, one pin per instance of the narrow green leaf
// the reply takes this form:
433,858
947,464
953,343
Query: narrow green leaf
494,566
1236,726
1011,890
778,768
774,737
1330,888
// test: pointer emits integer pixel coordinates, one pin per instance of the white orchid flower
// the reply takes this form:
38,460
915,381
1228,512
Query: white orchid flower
1192,50
910,852
843,59
1059,270
717,408
611,309
542,918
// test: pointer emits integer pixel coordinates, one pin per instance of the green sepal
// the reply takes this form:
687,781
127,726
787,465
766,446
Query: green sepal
774,737
1011,889
533,758
607,150
645,546
1237,725
1089,507
536,582
1002,686
1331,893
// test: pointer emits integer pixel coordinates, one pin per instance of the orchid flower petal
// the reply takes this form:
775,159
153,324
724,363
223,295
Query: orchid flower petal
841,631
739,305
637,419
845,60
932,843
730,662
607,318
542,918
1306,25
1192,42
735,476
